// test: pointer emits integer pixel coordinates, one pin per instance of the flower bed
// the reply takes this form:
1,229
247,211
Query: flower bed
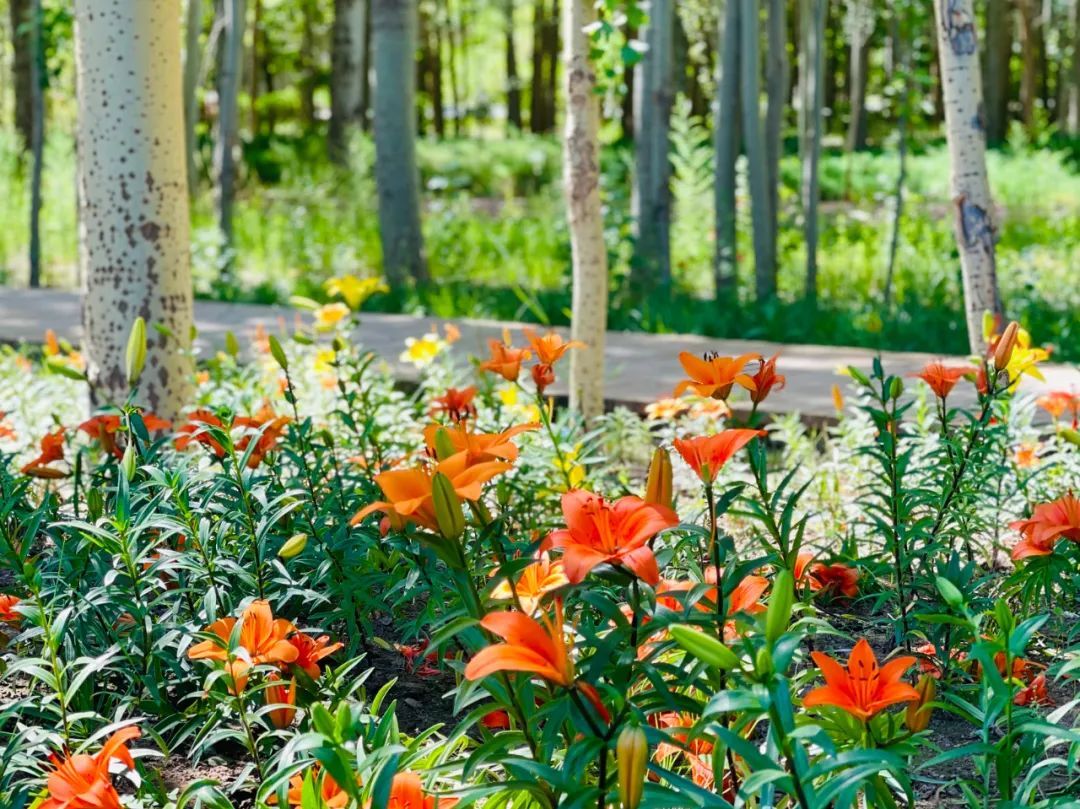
317,590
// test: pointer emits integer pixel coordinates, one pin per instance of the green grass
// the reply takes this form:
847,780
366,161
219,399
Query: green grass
498,247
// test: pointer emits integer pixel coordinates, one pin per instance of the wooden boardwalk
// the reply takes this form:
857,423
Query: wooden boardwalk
640,367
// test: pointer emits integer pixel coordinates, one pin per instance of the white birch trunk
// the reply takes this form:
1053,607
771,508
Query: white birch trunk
581,177
726,145
976,232
813,92
133,202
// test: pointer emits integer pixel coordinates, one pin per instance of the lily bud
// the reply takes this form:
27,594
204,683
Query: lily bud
778,615
128,463
632,756
276,694
293,546
1072,436
542,376
448,513
1005,346
917,715
658,487
278,353
444,446
896,388
136,351
232,345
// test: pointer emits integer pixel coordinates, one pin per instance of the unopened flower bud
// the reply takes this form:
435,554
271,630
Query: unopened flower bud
1005,346
293,546
542,376
444,445
1072,436
128,463
632,755
917,715
448,512
136,351
658,486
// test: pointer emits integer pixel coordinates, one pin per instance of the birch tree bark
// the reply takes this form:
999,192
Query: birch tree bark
346,69
513,82
37,138
192,74
396,176
859,27
651,199
764,236
581,179
976,231
228,89
726,145
813,89
133,201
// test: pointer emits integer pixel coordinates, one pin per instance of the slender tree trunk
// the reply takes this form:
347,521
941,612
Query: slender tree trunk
396,175
452,63
975,228
133,201
551,61
346,66
1073,118
513,82
536,80
626,110
776,83
1029,76
813,82
228,88
581,178
436,78
365,70
998,54
192,74
859,26
22,69
903,67
749,67
309,63
726,145
37,139
255,71
651,202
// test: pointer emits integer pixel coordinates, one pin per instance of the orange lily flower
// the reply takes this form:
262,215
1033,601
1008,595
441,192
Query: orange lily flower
706,454
52,449
82,781
104,428
551,347
265,428
505,360
333,796
194,431
263,639
408,491
309,651
543,375
530,647
277,694
407,792
455,403
8,615
536,581
942,378
479,446
766,379
597,532
862,689
713,376
1058,519
693,748
826,578
1059,402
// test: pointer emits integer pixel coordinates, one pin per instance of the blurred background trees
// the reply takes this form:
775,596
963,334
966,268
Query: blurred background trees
767,168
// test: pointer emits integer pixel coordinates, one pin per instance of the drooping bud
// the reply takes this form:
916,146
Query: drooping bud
444,445
658,486
917,715
136,351
293,546
448,512
632,757
1005,346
